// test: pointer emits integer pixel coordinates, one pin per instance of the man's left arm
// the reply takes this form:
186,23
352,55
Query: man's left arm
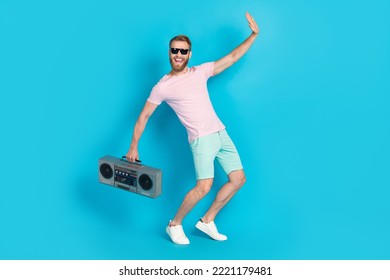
227,61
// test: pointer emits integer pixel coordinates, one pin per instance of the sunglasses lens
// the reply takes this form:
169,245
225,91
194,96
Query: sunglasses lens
182,51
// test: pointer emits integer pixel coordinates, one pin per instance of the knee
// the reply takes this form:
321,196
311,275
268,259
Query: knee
238,179
241,180
203,186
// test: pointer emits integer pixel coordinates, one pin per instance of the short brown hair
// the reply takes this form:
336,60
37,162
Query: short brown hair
181,38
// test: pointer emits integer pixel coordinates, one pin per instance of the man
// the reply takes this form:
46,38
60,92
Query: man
185,90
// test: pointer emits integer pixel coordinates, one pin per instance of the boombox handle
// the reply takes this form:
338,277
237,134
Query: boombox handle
137,161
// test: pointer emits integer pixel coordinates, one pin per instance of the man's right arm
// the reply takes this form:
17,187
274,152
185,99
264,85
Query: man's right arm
228,60
139,127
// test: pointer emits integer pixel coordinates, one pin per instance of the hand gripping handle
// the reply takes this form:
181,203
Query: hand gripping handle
137,161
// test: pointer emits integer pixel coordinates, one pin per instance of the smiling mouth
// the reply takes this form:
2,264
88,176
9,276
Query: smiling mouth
178,60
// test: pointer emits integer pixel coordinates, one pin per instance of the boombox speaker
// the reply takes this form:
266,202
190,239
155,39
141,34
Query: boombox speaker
132,177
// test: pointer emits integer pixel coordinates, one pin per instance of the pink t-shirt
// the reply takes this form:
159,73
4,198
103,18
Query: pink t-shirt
188,96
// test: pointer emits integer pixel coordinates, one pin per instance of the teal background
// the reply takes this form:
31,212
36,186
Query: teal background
307,106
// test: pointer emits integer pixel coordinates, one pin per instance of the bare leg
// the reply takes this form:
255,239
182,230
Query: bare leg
202,187
236,181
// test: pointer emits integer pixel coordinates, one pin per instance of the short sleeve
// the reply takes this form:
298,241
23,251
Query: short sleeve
208,69
156,95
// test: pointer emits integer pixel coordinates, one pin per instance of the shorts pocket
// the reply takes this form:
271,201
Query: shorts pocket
194,144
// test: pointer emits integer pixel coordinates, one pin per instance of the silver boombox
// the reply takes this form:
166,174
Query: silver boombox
132,177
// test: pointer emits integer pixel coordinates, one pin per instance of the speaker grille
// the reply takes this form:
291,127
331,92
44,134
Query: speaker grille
145,182
106,171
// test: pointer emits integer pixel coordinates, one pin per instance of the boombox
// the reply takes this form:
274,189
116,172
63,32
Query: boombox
132,177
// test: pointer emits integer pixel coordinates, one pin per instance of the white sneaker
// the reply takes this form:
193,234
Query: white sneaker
211,230
177,235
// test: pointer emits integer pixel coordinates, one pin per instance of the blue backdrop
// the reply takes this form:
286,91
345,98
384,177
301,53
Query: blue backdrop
307,106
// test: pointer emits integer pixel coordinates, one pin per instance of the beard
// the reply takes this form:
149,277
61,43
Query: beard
178,68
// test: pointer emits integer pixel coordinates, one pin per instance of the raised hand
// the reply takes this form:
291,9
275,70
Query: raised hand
252,23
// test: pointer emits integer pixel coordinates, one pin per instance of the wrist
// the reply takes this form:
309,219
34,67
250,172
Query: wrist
133,146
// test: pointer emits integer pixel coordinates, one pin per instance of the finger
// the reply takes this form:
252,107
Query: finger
252,22
252,19
248,16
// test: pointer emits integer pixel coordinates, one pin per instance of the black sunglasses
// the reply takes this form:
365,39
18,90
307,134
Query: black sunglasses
182,51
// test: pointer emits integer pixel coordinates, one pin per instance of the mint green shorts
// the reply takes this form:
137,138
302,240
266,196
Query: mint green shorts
218,146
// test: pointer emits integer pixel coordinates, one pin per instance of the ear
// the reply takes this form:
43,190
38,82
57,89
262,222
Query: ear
190,55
